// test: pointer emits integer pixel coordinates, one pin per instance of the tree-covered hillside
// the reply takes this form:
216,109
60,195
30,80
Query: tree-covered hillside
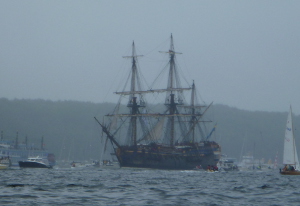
70,131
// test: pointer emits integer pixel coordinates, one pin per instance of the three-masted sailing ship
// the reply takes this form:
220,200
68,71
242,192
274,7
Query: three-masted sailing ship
172,139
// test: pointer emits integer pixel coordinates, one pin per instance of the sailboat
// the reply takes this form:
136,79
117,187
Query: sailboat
176,139
290,156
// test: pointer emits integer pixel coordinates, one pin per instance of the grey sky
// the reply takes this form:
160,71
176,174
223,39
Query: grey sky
244,54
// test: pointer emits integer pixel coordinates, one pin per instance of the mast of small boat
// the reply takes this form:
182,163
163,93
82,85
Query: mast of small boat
290,156
294,144
42,143
17,141
26,141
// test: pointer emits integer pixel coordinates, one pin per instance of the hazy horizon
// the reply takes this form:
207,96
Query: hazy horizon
240,54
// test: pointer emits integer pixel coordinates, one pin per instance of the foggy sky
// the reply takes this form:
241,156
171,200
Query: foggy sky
244,54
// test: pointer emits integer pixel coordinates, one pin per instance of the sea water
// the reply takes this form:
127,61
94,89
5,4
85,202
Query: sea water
127,186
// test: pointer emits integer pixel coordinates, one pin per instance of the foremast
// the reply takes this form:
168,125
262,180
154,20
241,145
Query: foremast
133,102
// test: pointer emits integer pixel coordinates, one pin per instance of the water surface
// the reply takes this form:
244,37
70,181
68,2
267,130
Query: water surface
126,186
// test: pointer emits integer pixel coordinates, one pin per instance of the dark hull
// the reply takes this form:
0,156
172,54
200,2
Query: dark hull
169,162
172,160
27,164
290,172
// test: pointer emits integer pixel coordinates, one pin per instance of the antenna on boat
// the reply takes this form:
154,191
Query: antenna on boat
17,141
42,143
26,141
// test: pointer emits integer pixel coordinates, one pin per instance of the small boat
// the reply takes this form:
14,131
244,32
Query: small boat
211,170
77,164
290,156
198,167
108,163
34,162
95,163
227,164
16,150
3,166
5,162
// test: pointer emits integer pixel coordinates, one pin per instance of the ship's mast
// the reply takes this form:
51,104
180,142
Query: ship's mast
133,104
195,117
193,120
170,99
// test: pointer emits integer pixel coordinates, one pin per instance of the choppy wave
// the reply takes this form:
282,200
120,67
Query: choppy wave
146,187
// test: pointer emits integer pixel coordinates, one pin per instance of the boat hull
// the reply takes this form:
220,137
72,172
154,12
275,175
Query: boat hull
172,160
27,164
165,161
290,172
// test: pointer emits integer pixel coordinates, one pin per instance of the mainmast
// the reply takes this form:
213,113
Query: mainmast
170,98
193,120
133,104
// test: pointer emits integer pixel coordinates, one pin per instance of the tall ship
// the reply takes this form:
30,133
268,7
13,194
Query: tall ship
13,151
173,137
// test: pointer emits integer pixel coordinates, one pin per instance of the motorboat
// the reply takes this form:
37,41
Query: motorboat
34,162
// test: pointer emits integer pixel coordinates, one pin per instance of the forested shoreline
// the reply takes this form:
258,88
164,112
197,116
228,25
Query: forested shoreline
70,131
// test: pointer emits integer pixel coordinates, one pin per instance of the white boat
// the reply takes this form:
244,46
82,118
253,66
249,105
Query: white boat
17,151
34,162
76,164
227,164
290,156
3,166
5,162
247,163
